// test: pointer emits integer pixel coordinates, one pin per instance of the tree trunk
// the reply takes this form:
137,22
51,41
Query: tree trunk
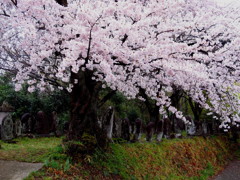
154,115
84,98
197,110
152,108
175,102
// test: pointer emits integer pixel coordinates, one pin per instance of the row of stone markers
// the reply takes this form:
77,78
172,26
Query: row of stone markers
163,128
47,124
40,124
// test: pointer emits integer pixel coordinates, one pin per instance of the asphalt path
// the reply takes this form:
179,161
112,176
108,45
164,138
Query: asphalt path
231,172
13,170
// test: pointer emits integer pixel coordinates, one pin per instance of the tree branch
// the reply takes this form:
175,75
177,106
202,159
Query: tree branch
105,98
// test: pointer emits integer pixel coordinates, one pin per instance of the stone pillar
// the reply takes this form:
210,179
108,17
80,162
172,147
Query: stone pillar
17,131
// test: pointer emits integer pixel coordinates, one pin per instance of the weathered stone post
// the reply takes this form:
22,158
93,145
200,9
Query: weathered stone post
6,122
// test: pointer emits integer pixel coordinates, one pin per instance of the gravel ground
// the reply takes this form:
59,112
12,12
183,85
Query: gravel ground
13,170
231,172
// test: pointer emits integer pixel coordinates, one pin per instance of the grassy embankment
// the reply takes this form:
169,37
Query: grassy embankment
196,158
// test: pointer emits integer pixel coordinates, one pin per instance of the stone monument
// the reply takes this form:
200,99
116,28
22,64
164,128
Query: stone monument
6,122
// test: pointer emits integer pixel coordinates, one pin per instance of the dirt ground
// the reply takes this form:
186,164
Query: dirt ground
13,170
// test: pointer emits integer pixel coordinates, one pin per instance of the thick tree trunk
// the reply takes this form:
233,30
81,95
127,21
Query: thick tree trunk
175,102
152,108
154,115
84,98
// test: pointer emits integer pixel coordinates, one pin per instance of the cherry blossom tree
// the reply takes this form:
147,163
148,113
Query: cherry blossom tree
84,46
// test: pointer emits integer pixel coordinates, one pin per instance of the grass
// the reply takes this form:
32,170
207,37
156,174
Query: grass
195,158
29,150
57,162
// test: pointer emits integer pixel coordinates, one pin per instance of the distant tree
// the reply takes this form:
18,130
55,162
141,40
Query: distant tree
25,102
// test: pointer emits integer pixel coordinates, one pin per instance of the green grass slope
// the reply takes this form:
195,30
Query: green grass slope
195,158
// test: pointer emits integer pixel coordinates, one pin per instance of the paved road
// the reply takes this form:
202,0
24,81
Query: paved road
231,172
13,170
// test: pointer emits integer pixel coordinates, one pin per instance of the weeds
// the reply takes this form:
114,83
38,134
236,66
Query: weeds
58,160
34,174
53,164
66,166
205,173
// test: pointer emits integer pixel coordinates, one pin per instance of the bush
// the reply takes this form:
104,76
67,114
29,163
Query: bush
77,149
